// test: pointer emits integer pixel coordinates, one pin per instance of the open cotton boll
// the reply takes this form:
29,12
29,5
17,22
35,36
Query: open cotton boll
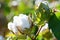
25,21
17,21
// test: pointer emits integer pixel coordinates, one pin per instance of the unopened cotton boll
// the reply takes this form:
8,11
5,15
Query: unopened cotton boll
25,21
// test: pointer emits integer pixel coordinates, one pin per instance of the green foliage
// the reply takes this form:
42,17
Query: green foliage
34,29
39,17
39,37
54,24
6,9
45,11
58,6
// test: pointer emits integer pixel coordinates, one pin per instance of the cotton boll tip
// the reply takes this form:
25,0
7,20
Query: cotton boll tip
25,22
10,24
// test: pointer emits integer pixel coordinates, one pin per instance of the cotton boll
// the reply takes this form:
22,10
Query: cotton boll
20,23
25,21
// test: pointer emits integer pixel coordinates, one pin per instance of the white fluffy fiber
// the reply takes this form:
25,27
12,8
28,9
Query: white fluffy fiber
12,27
20,21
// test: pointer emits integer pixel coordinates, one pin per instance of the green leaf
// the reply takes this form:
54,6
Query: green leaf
40,37
45,11
34,30
54,24
58,6
22,7
6,9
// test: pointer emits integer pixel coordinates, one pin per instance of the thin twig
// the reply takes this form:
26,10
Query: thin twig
37,33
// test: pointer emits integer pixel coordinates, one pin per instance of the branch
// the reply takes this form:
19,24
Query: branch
37,33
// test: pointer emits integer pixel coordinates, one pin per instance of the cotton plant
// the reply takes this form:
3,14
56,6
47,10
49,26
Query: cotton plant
20,23
23,23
